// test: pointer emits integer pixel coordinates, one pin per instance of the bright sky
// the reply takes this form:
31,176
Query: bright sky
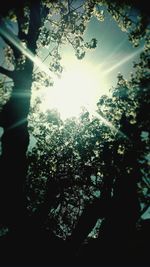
78,87
84,81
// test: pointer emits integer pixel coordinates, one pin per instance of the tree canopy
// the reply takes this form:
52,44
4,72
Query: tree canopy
85,178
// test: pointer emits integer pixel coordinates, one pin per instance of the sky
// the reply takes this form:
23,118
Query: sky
84,81
113,47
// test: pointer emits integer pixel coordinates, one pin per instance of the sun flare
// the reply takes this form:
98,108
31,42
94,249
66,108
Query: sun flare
78,87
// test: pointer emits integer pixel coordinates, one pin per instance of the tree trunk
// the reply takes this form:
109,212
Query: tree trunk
98,209
118,230
15,141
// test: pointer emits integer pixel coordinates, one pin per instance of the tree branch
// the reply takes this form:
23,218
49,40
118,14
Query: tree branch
34,25
68,7
6,35
20,20
6,72
8,42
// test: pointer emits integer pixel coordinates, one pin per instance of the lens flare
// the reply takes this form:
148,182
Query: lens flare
123,61
12,38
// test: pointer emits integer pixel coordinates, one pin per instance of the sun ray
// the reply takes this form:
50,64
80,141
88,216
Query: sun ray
73,90
123,61
110,125
58,95
12,38
115,50
18,123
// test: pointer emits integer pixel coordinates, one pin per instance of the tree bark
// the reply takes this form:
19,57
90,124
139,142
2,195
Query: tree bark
15,139
6,72
98,209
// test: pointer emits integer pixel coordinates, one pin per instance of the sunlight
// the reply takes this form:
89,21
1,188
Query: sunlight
12,38
78,87
81,85
123,61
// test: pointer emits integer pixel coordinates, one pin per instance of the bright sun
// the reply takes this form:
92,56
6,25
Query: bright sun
78,87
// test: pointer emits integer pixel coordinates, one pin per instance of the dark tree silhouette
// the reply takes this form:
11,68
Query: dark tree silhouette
119,160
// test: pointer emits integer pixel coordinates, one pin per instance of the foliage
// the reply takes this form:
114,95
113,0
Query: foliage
130,18
75,157
71,160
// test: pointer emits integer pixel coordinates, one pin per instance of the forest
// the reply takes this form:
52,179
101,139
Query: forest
73,192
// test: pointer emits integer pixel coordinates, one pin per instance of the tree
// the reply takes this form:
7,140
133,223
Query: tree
105,170
35,26
117,162
38,26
